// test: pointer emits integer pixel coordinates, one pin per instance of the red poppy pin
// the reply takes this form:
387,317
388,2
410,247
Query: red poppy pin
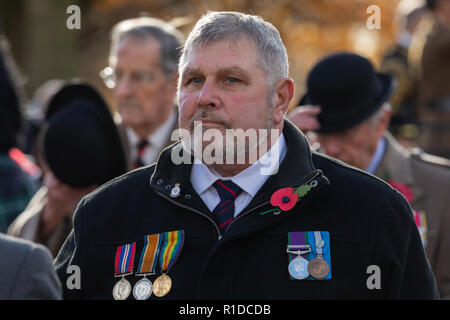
404,189
285,199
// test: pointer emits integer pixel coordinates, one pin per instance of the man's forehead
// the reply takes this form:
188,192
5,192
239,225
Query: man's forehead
194,62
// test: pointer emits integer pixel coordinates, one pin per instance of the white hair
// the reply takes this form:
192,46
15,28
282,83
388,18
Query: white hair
215,26
167,35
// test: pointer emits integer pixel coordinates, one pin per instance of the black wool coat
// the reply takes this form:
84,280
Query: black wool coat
369,223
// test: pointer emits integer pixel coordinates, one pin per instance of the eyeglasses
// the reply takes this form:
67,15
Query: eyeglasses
137,78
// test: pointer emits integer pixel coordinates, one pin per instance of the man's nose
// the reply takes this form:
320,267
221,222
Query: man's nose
208,96
123,88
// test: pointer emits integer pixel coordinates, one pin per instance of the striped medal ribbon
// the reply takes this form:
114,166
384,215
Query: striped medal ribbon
147,264
171,246
123,266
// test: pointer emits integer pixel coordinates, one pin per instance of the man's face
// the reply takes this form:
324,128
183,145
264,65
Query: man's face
223,86
355,146
143,94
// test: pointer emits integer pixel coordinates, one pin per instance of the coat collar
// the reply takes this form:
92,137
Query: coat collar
396,164
295,169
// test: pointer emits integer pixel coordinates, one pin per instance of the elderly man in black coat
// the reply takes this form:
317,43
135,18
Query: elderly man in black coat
241,208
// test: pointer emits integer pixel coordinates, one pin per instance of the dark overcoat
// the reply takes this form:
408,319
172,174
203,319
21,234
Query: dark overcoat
369,223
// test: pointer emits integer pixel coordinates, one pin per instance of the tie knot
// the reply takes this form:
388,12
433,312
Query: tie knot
227,189
142,144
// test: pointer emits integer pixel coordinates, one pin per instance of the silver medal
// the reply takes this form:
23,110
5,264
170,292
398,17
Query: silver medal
121,290
142,289
298,268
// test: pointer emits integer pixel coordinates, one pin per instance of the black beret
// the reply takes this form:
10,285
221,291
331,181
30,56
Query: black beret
81,143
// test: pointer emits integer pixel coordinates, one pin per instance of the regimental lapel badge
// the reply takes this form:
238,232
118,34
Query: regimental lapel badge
123,266
309,255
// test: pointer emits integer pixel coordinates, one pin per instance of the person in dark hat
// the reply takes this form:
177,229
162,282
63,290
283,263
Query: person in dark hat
81,150
346,105
283,224
16,184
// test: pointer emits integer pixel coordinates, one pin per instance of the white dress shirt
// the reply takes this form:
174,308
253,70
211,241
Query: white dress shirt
156,141
249,180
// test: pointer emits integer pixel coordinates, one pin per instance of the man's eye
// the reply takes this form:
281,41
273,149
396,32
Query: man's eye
194,80
231,80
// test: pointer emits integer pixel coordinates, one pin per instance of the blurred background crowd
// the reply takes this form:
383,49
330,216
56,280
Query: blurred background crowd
42,176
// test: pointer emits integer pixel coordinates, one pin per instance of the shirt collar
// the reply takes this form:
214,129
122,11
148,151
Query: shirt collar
249,180
379,152
159,137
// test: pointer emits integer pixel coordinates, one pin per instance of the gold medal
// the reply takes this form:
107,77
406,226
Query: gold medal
162,285
318,268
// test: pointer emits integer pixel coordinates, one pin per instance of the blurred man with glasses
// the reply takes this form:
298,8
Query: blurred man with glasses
143,74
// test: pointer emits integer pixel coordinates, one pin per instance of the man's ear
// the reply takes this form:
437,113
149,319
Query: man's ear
283,94
385,119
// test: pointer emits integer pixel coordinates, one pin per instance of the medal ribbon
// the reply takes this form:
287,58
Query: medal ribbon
124,261
297,239
149,254
319,243
172,244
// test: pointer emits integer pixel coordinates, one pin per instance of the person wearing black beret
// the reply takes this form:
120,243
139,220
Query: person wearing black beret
346,105
17,185
284,224
81,150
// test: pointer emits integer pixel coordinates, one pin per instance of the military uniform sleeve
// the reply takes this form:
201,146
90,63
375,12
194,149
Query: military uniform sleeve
398,251
71,254
36,279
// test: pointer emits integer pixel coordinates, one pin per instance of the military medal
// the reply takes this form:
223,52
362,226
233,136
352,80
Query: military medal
298,266
121,289
318,267
171,246
162,285
123,266
147,263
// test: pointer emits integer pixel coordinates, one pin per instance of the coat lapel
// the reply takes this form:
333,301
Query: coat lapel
296,169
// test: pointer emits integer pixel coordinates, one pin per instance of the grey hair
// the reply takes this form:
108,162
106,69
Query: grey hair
376,117
220,25
168,36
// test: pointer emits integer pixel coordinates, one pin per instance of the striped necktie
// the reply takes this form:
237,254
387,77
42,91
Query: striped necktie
141,146
224,211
